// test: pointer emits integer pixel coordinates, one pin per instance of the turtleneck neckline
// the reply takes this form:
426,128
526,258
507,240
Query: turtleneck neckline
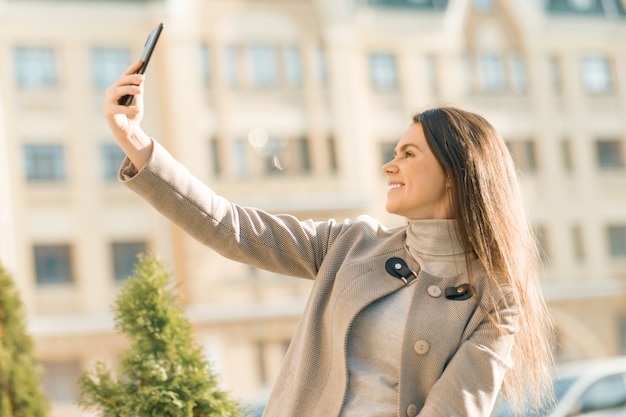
435,245
434,237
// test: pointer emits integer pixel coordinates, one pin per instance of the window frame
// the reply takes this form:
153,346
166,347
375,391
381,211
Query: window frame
262,65
616,239
596,74
525,155
383,69
517,72
123,260
292,66
35,67
44,163
42,254
107,64
111,158
609,154
492,72
206,64
230,58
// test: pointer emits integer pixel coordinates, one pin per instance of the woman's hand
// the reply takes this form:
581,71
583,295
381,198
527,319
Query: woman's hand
124,121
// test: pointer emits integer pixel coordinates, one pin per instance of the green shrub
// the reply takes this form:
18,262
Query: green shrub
20,391
163,372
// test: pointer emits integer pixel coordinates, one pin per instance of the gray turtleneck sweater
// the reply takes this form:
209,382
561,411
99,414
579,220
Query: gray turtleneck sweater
375,339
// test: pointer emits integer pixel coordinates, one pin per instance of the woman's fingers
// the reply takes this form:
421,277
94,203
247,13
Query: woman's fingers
133,68
133,79
124,119
126,85
114,93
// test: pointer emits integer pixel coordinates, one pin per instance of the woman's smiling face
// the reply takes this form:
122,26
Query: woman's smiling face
417,185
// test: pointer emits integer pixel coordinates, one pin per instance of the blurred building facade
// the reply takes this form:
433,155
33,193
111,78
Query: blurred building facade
292,106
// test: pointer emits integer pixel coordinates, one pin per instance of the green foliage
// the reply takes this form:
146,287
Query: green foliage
20,392
163,372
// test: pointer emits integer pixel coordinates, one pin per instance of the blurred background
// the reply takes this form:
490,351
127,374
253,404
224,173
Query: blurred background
293,106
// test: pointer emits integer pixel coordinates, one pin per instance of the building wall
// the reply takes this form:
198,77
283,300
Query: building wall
244,317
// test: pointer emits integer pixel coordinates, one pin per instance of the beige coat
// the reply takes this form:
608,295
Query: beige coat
453,359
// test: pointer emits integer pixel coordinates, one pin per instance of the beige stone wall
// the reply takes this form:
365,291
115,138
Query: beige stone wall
244,318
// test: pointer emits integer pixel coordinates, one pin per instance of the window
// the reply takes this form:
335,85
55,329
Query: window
281,154
112,158
613,8
578,242
230,65
44,163
304,155
276,156
239,158
216,160
417,4
554,74
35,67
262,64
320,63
492,72
293,68
332,155
60,380
432,71
617,241
609,154
566,155
383,71
262,363
206,72
483,5
53,264
107,64
524,155
582,5
467,71
125,257
518,72
604,394
596,74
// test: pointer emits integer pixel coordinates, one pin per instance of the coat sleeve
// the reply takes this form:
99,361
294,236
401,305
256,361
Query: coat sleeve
472,379
278,243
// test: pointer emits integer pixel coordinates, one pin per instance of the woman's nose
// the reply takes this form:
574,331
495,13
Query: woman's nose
389,167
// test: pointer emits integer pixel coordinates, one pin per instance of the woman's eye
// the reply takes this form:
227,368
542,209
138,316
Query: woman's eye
408,154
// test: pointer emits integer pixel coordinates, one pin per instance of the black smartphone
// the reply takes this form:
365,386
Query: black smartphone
144,57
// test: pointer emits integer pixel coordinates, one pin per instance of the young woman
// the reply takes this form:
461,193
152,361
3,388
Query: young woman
429,319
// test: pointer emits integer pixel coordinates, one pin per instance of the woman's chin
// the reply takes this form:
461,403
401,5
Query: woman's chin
391,209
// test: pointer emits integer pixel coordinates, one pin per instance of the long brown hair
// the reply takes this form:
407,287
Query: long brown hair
493,224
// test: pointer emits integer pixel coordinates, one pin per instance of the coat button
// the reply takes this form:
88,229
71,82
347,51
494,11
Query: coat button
421,347
411,410
434,291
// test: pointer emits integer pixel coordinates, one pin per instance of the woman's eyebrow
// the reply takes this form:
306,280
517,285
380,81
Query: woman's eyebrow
404,147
